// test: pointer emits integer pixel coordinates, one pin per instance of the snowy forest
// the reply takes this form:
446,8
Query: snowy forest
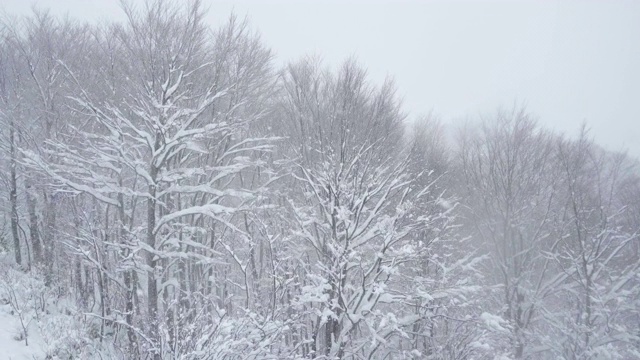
170,193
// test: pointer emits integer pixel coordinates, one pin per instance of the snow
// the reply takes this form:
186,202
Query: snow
12,349
494,322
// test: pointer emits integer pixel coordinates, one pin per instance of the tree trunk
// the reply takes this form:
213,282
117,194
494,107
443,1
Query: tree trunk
14,195
34,232
129,312
152,285
49,245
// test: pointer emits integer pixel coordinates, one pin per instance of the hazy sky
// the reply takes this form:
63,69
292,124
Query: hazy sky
569,61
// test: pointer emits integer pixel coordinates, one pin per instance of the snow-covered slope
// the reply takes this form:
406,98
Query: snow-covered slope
10,328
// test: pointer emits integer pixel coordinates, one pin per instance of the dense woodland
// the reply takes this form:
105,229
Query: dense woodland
170,193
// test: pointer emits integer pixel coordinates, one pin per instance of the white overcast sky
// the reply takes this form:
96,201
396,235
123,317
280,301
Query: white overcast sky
569,61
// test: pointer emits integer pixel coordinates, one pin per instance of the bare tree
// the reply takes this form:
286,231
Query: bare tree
510,194
10,101
599,299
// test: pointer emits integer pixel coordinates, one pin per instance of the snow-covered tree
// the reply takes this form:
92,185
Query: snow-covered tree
363,227
596,309
161,153
510,196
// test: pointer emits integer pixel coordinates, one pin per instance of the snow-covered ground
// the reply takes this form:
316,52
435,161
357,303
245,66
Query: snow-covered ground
12,349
